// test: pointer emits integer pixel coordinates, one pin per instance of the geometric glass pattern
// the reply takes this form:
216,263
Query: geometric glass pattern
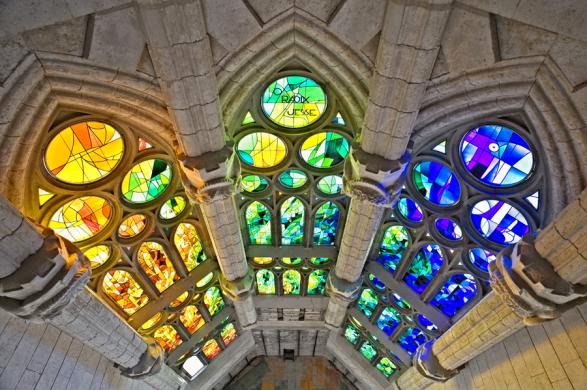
533,199
368,351
426,323
191,318
325,224
144,144
124,290
337,120
481,258
292,260
400,302
265,282
167,337
98,255
84,152
258,223
388,320
154,261
228,333
386,366
317,282
411,339
293,178
449,229
424,267
395,242
261,150
146,181
254,184
367,302
330,185
44,196
455,293
410,209
211,349
499,221
132,226
180,299
291,282
188,245
325,150
293,101
436,183
172,207
248,119
81,218
497,155
213,300
205,280
351,334
319,260
292,221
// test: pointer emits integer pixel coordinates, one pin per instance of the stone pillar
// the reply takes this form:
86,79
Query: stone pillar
534,281
47,283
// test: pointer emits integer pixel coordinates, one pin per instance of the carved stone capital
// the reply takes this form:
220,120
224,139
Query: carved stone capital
342,290
240,288
428,365
530,286
210,176
374,179
150,362
46,281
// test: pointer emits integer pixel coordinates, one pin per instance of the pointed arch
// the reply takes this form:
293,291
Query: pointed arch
292,214
326,220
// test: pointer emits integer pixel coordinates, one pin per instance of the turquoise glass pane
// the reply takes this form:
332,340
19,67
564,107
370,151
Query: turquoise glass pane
258,219
319,260
367,302
292,222
352,334
395,242
411,339
293,178
254,184
400,302
388,320
317,282
386,367
292,281
213,300
455,293
325,224
368,351
424,267
265,282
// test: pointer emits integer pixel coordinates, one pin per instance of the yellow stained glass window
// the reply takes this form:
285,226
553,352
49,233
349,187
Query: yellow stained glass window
132,226
124,290
248,119
263,260
211,349
81,218
154,261
98,255
151,322
146,181
84,153
188,245
205,280
191,318
44,196
167,337
172,208
261,150
179,300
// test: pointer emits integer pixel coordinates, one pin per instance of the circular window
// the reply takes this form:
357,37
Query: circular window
146,181
81,218
293,178
254,184
261,150
172,208
499,221
481,258
293,101
325,150
410,210
436,183
98,255
449,229
132,226
330,185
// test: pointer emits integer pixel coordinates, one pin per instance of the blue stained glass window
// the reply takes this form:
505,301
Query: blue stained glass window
410,209
292,221
497,155
481,258
325,224
395,242
436,182
378,284
388,320
449,229
455,293
411,339
400,302
424,267
426,323
499,221
367,302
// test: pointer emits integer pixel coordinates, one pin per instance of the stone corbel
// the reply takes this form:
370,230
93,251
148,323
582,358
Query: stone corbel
374,179
530,286
150,363
238,289
210,176
341,289
428,365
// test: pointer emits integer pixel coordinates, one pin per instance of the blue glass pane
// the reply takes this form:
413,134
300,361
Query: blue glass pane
376,282
499,222
426,323
395,242
292,221
456,292
388,320
400,302
497,155
449,229
367,302
424,267
410,210
481,258
436,182
325,224
411,339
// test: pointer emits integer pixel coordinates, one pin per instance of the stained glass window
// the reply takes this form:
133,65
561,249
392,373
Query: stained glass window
293,101
319,260
265,282
180,299
481,258
146,181
172,208
254,184
263,260
84,152
213,300
386,367
330,185
400,302
228,333
293,178
132,226
292,221
188,245
98,255
499,221
455,293
124,290
205,280
258,223
410,209
144,144
211,349
352,334
411,339
449,229
325,150
367,302
436,183
44,196
388,320
337,120
424,267
426,323
81,218
317,282
292,281
378,284
326,224
395,242
248,119
154,261
191,318
368,351
261,150
151,322
167,337
534,199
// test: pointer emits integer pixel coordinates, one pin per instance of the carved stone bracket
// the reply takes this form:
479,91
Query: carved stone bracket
530,286
240,288
428,365
150,363
342,290
46,281
374,179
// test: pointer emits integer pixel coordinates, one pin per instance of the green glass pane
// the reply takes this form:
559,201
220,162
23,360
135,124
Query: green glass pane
146,181
317,282
368,351
338,120
258,220
293,101
248,119
367,302
394,244
254,184
261,150
325,150
291,282
293,178
265,282
325,224
386,367
319,260
172,207
213,300
292,260
292,222
352,334
330,185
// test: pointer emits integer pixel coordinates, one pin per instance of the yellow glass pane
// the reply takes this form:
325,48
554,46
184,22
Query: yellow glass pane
146,181
98,255
263,260
84,153
205,280
44,196
261,150
124,290
167,337
81,218
132,226
211,349
248,119
191,318
179,300
172,208
154,261
151,322
188,245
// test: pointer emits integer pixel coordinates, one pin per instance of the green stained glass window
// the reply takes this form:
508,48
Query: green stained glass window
325,224
172,208
395,242
368,351
367,302
292,221
293,101
292,260
258,219
265,282
261,150
325,150
317,282
352,334
330,185
293,178
319,260
248,119
213,300
146,181
386,367
292,281
254,184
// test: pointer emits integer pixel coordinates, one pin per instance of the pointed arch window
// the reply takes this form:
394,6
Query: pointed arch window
292,282
265,282
326,224
258,219
292,221
425,266
455,293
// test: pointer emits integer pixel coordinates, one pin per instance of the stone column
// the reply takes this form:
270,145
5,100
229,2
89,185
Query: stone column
43,278
534,281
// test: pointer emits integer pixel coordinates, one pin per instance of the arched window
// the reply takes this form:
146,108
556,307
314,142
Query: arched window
292,282
167,337
124,290
367,302
213,300
154,261
393,245
258,220
326,224
425,265
317,282
188,245
265,282
388,320
292,222
191,318
411,339
455,293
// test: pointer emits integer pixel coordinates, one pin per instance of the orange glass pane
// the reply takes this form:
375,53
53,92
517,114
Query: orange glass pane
124,290
132,226
81,218
228,333
179,300
188,245
154,261
211,349
167,337
191,318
